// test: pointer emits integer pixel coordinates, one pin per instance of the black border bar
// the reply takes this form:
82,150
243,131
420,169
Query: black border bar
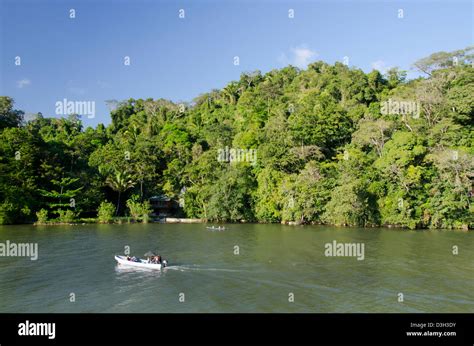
290,329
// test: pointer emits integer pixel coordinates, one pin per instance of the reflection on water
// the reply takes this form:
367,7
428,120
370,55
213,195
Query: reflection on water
273,261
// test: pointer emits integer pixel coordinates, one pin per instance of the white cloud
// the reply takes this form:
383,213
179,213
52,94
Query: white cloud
303,56
381,66
300,56
23,83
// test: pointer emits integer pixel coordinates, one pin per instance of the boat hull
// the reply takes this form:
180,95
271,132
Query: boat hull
122,260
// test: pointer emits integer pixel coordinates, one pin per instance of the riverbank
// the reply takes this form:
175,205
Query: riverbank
173,220
118,221
463,227
182,220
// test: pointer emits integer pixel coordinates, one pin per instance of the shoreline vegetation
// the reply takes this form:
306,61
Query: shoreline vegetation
167,220
330,145
119,221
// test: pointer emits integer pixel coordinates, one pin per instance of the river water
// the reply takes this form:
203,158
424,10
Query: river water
246,268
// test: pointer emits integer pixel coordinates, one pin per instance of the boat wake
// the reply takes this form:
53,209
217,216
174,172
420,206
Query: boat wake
196,267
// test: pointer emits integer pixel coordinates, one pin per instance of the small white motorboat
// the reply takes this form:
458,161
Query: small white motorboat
140,263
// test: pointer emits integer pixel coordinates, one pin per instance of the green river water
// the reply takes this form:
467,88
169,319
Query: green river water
277,269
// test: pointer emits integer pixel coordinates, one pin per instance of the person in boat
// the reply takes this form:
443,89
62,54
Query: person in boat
158,259
128,258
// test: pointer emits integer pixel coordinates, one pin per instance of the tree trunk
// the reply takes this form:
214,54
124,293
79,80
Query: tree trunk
118,204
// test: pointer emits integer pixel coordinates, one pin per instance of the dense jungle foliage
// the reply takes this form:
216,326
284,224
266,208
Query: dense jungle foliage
333,145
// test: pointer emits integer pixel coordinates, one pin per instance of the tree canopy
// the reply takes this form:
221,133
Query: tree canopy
312,146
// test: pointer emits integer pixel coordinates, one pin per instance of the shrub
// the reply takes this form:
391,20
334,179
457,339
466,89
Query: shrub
66,216
105,213
6,213
13,212
42,216
138,210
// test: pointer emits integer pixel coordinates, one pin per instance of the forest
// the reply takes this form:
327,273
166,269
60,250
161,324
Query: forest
329,144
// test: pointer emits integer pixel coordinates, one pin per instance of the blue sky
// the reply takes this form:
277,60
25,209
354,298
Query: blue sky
82,59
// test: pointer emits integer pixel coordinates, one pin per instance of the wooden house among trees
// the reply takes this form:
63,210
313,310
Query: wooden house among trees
163,205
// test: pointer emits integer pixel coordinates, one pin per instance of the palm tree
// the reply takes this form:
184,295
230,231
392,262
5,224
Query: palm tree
231,92
120,182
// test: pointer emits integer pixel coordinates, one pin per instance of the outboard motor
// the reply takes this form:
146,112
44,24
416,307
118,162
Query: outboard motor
164,263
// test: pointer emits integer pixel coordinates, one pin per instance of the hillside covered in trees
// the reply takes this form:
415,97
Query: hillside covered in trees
330,144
